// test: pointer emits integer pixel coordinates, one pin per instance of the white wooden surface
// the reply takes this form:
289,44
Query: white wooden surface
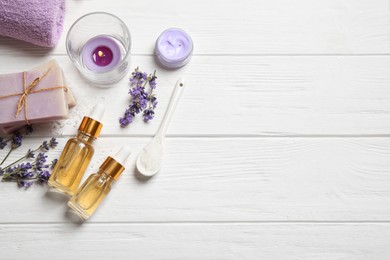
279,148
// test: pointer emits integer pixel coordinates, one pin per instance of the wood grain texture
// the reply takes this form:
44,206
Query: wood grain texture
257,96
201,241
279,148
244,27
231,179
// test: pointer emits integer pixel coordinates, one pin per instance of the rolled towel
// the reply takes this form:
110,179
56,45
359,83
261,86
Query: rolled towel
36,21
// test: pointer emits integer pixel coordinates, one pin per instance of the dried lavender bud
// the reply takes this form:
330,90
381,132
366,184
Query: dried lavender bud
153,99
16,140
152,81
43,176
148,114
45,146
30,154
127,119
53,143
24,184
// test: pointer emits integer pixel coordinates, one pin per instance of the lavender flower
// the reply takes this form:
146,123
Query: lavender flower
127,119
40,162
45,146
30,154
11,169
124,121
26,173
25,184
137,91
148,114
141,99
154,102
16,140
138,77
25,166
43,176
53,143
152,81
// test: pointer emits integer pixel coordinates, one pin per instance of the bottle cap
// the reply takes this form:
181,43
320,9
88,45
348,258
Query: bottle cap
114,166
91,124
122,155
97,112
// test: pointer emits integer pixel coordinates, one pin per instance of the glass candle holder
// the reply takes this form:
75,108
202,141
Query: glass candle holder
99,46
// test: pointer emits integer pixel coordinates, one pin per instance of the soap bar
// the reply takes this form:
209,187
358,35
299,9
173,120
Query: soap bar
52,103
10,129
71,103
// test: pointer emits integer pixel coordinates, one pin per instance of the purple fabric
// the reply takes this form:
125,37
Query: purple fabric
37,21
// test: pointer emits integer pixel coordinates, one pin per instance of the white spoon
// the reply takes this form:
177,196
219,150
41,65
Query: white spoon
150,158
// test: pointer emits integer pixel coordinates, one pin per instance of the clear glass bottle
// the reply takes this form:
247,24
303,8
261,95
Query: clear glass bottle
89,196
77,154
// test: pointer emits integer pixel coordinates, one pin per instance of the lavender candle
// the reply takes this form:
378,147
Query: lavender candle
101,54
99,46
174,48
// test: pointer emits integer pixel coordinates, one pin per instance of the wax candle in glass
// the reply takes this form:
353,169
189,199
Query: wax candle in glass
99,46
101,53
174,48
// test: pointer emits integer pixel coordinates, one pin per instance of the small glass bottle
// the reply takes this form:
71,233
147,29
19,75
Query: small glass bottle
89,196
77,154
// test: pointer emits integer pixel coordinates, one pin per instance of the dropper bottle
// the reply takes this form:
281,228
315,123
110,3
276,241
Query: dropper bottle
77,154
89,196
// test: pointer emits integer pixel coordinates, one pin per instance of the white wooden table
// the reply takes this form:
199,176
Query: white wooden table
279,148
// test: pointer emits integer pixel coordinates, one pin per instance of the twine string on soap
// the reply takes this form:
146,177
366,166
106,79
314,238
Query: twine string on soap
22,102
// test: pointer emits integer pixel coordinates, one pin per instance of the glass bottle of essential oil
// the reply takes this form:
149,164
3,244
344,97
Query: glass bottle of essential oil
89,196
77,154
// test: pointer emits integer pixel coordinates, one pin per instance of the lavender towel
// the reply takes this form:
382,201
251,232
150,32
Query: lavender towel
37,21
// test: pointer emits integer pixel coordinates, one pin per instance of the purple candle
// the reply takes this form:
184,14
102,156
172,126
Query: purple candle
174,48
101,54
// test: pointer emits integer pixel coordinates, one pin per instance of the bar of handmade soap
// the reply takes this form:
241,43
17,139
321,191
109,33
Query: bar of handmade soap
50,104
10,129
69,98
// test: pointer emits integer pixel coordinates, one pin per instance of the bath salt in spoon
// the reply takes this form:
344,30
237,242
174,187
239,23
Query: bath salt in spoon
150,158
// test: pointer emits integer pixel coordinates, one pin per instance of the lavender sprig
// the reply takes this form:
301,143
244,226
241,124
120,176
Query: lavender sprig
24,174
152,100
141,99
16,141
26,131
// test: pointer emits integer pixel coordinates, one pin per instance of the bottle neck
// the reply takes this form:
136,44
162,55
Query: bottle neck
85,137
104,176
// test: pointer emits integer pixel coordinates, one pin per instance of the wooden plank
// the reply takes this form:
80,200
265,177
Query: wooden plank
255,96
196,241
231,179
250,27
